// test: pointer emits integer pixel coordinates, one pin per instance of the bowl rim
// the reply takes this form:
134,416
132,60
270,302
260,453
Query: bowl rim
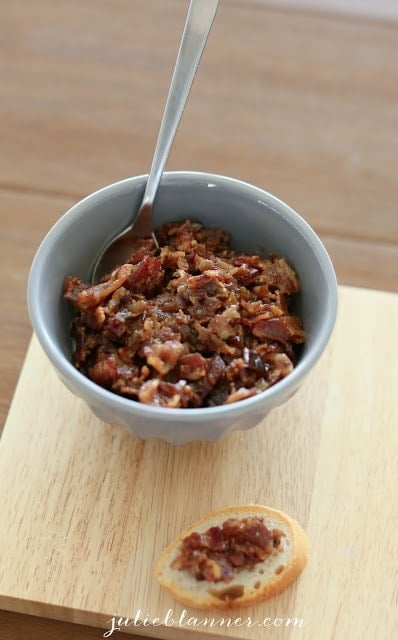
93,393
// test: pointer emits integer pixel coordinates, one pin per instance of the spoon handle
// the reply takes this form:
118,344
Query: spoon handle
197,27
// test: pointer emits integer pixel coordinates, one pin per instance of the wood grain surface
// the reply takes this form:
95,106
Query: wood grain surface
87,508
298,100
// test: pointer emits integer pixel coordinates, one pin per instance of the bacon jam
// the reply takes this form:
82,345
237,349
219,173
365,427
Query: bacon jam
194,325
219,553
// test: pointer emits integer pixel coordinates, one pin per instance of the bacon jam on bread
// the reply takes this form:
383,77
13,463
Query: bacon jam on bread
233,557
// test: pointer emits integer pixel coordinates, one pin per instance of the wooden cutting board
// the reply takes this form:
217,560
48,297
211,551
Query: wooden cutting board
86,508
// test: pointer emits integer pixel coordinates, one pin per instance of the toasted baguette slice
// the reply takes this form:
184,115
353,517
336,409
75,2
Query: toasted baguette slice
250,586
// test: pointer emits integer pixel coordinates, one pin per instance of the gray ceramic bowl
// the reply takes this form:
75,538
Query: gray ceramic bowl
257,221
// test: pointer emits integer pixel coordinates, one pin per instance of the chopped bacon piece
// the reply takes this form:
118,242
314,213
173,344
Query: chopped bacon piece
85,296
240,394
282,329
282,277
163,356
192,366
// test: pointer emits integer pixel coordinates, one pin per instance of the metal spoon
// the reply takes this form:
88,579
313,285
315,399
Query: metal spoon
197,27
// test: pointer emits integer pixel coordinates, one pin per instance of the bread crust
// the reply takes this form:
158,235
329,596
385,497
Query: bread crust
267,583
